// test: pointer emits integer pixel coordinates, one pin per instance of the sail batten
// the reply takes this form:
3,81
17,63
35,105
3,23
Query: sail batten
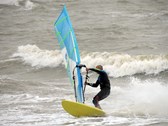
61,20
69,48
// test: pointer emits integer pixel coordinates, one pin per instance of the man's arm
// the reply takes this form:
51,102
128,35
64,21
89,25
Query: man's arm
95,70
93,84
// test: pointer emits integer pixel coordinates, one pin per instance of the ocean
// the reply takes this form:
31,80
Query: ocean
128,37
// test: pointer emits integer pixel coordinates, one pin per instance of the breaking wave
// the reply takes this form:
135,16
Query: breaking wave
9,2
37,57
25,4
117,65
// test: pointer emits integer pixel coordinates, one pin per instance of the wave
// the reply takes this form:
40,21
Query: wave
37,57
117,65
29,5
9,2
24,4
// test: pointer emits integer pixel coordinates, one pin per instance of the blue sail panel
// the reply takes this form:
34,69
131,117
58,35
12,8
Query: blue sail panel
69,48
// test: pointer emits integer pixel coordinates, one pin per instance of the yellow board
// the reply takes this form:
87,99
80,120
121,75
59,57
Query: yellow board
78,109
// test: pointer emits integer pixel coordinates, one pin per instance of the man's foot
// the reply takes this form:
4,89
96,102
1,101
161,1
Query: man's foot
96,104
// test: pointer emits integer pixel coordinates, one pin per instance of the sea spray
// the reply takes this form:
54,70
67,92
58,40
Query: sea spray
140,98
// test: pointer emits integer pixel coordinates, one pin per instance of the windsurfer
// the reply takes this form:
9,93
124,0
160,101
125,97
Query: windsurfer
104,83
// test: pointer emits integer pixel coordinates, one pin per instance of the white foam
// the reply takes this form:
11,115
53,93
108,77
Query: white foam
10,2
29,5
37,57
118,65
25,4
141,98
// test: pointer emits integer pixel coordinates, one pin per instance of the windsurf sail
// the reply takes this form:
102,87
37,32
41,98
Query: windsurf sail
69,48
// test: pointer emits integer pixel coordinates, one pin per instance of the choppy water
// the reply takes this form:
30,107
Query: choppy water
128,37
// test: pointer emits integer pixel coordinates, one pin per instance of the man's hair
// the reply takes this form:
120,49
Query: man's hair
100,67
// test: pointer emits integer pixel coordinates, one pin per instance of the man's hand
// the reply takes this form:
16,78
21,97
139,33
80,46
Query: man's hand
90,84
86,83
87,69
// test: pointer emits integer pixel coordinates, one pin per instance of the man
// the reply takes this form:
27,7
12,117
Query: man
104,83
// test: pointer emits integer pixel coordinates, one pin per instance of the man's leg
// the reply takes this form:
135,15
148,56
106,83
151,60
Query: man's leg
96,102
100,96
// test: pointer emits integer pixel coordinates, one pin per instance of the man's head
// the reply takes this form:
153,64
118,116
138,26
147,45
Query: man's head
100,67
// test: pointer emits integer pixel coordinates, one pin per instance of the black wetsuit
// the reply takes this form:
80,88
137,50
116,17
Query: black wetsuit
104,83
